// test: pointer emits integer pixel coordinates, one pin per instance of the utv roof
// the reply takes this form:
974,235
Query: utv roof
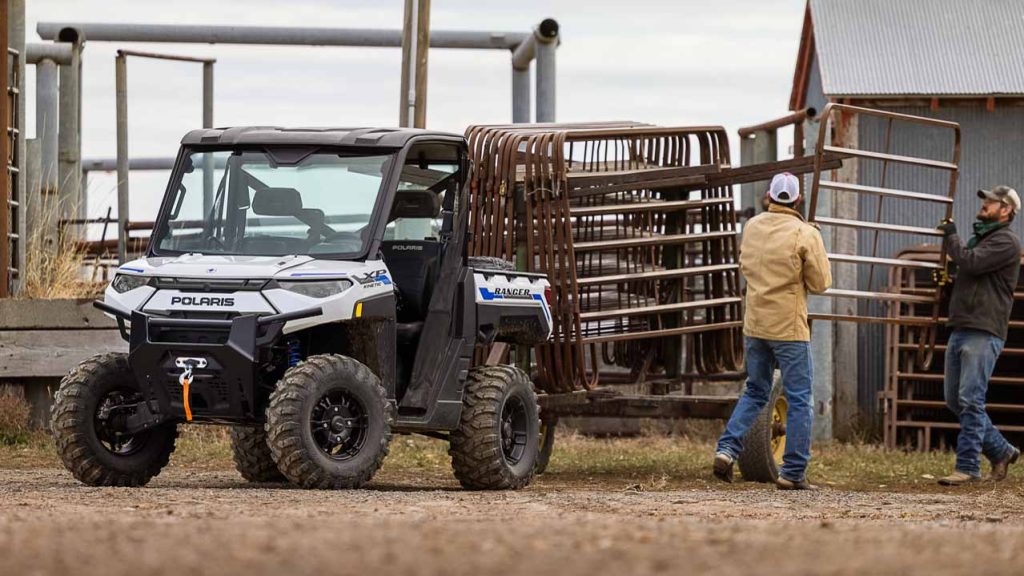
364,137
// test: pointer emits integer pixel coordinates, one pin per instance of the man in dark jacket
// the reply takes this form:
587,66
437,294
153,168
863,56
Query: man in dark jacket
979,313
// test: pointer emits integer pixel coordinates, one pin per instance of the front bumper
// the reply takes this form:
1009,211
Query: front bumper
224,391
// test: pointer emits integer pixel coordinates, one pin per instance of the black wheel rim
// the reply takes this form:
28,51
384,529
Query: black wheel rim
111,415
339,425
513,430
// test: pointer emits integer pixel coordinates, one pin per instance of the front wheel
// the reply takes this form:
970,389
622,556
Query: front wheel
329,423
87,421
496,444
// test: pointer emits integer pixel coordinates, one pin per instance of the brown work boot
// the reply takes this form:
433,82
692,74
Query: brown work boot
787,484
958,478
1000,467
723,467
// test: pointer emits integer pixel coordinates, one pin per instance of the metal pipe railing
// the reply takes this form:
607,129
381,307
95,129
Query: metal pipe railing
795,118
121,90
540,44
278,35
47,107
58,53
69,128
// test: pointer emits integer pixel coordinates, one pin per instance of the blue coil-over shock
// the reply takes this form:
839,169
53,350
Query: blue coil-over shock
294,352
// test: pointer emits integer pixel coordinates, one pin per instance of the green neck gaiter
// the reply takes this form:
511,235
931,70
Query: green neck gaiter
982,229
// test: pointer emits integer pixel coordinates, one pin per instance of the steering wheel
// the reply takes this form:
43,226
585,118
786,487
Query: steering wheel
220,243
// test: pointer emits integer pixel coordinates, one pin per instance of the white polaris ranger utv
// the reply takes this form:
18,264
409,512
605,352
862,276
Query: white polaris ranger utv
311,288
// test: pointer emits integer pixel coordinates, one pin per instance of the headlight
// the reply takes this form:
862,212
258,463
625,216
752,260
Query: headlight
125,282
319,289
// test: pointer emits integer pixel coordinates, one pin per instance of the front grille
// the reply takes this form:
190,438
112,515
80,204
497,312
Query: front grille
208,285
199,315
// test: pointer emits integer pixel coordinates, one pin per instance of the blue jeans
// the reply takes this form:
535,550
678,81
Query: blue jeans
794,360
970,359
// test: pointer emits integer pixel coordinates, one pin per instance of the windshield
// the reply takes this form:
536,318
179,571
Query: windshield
272,203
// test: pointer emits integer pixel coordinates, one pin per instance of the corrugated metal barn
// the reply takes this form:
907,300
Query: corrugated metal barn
946,59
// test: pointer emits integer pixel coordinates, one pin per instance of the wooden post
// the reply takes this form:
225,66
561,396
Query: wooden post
422,48
407,48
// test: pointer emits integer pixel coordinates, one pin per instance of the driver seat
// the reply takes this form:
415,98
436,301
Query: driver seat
414,264
414,267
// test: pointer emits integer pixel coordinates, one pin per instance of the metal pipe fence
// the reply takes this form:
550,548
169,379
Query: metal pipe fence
123,165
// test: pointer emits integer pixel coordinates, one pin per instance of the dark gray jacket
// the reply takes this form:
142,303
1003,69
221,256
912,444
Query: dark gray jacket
986,277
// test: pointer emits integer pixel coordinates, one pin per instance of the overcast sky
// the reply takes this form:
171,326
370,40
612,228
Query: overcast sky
669,62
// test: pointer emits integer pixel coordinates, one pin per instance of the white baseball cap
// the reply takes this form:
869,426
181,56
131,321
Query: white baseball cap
785,188
1003,194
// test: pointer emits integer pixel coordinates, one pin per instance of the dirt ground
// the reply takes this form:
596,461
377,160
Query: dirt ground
413,519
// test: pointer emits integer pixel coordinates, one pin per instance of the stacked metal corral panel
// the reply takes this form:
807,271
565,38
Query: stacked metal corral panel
914,410
639,240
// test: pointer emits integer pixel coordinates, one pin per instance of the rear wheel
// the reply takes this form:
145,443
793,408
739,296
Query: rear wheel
251,453
496,444
765,443
329,423
87,421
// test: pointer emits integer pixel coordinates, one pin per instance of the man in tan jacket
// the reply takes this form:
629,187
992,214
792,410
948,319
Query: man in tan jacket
782,258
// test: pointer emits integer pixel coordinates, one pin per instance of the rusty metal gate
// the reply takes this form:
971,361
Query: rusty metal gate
836,117
914,411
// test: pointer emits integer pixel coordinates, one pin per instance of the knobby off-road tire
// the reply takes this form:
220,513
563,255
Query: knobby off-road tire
344,394
496,444
86,445
490,263
763,445
251,453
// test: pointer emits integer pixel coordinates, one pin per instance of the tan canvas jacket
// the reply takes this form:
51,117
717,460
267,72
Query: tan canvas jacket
782,258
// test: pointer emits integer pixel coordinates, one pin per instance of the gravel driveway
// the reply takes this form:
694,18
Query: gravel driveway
193,523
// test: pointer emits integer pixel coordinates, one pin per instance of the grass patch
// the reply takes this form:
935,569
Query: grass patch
15,414
33,450
202,448
54,263
646,463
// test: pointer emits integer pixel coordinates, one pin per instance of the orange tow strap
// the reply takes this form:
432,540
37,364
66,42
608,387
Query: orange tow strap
184,400
185,379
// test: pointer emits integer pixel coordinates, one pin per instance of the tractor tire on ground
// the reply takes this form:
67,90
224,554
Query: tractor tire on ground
496,444
83,422
329,423
489,263
547,444
251,453
765,443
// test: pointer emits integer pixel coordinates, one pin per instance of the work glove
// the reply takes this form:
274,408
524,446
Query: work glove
948,227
